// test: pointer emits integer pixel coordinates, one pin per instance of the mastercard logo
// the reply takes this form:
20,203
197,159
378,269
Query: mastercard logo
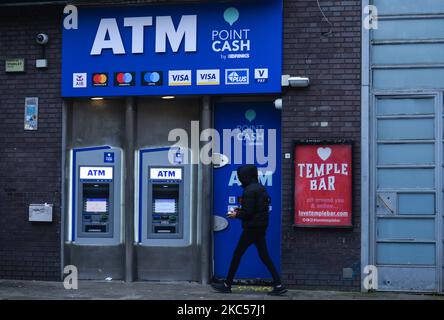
124,79
100,79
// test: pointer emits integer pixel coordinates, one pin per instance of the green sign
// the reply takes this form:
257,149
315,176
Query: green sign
15,65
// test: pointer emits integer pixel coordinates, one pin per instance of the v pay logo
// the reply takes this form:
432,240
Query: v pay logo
261,75
237,76
179,78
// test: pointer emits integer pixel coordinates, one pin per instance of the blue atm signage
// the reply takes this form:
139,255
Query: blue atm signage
216,48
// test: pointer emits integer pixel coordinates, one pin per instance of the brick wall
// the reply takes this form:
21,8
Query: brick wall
30,161
314,258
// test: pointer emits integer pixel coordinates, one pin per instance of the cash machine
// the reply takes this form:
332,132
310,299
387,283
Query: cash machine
95,215
165,198
164,215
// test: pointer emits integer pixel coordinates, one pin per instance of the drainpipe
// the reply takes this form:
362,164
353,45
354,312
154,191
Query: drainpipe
130,123
206,185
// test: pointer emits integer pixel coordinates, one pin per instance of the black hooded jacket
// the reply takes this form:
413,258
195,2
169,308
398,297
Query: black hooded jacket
255,200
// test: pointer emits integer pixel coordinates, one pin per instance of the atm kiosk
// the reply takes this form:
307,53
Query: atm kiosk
164,197
94,241
165,214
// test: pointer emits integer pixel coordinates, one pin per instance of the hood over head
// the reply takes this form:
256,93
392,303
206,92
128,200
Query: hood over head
247,174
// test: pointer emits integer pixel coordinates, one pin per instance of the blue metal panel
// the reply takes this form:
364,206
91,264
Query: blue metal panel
418,78
406,129
409,29
389,7
254,116
405,178
418,204
389,154
401,229
405,253
404,106
392,54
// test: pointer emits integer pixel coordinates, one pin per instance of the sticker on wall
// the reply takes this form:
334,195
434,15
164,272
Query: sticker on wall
31,113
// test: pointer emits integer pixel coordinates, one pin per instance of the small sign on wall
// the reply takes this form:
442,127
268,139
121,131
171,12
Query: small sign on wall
323,185
40,212
14,65
31,113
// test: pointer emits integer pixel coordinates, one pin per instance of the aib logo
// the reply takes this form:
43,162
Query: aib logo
124,79
100,80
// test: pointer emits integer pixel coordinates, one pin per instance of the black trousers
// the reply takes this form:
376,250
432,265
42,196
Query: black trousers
247,238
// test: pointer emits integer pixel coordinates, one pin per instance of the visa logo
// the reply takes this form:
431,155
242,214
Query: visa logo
237,76
208,77
179,78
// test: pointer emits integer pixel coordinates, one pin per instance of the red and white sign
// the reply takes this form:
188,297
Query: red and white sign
323,185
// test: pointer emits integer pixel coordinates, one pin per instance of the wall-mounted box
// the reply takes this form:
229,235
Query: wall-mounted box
40,212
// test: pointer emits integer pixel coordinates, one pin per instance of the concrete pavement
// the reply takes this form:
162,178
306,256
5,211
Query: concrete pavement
118,290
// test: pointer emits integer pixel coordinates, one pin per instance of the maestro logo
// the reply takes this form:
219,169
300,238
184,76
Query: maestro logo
124,79
152,78
100,79
237,76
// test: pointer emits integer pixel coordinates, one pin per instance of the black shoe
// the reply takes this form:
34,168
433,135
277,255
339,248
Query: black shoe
221,287
278,290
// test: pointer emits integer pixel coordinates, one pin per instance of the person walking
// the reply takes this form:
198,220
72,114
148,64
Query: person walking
253,213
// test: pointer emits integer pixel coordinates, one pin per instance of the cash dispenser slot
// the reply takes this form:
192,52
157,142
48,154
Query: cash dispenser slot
96,208
165,208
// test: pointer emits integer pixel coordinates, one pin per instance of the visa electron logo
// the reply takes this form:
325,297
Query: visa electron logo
237,76
230,39
179,78
208,77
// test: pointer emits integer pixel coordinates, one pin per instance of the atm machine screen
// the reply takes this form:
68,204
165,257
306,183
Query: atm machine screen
95,215
165,212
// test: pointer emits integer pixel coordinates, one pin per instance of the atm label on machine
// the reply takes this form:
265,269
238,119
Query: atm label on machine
166,174
103,173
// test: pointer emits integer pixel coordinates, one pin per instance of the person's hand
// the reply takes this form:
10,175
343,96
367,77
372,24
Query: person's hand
232,214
